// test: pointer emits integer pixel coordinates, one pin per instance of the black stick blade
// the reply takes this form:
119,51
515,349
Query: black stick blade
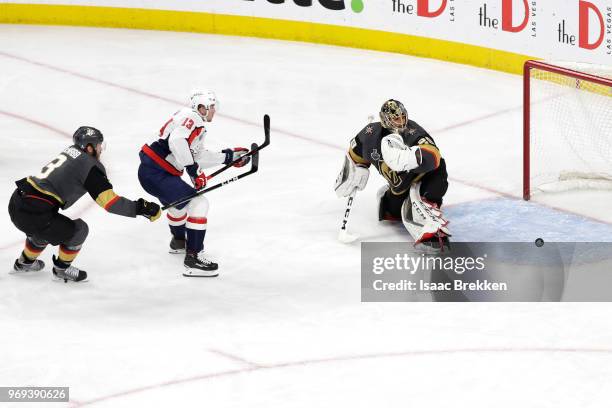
266,131
255,158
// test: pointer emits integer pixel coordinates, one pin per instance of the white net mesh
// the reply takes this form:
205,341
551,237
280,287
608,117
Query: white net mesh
570,129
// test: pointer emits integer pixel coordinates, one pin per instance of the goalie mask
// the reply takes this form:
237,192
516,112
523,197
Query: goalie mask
393,115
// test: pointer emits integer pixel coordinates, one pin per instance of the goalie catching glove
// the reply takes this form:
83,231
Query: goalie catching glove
352,176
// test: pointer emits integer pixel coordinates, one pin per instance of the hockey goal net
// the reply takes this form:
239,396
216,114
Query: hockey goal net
567,136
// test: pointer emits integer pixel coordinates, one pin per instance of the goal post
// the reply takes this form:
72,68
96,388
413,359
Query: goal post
567,127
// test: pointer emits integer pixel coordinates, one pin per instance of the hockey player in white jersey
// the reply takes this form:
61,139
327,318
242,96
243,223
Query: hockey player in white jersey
179,148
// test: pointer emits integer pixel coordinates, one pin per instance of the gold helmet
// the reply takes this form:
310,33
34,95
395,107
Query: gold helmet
393,115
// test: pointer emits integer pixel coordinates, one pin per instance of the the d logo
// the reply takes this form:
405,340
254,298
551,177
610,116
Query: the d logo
507,17
423,9
583,34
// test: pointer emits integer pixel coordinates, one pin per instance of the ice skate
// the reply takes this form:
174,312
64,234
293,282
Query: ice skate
177,246
25,265
62,270
198,265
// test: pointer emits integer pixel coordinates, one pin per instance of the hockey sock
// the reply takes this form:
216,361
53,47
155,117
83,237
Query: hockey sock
176,222
32,250
178,231
67,254
59,264
196,231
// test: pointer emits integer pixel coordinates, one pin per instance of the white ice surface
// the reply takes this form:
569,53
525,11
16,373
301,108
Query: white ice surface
283,325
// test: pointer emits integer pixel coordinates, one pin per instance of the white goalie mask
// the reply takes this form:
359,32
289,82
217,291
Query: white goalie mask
204,97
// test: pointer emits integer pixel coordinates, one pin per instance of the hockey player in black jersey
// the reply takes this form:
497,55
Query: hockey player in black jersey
35,204
409,160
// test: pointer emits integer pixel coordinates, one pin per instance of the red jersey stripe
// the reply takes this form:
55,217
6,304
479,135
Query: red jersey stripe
161,162
111,202
196,132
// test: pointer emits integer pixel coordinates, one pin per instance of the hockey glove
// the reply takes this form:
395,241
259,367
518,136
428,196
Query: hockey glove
198,178
147,209
199,182
235,154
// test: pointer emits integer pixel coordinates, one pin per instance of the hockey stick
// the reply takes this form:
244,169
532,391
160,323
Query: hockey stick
254,153
253,169
251,153
344,236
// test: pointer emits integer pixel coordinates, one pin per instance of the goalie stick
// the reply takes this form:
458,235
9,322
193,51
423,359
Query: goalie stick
254,153
344,236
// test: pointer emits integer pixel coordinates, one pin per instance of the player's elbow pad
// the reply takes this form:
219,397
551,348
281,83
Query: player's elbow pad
397,155
351,176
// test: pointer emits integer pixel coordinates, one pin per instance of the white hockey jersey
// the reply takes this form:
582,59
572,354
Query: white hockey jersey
181,144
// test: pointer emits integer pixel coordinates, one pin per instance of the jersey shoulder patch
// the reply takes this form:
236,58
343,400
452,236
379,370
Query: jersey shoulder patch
370,130
414,135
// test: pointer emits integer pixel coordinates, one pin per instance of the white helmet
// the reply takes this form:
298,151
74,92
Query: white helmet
203,97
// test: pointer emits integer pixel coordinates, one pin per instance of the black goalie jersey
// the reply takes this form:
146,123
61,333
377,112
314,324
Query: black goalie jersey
365,150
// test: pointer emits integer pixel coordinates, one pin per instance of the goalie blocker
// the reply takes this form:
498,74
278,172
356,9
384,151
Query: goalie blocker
407,157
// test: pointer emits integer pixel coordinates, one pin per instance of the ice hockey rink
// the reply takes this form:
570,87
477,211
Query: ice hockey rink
283,325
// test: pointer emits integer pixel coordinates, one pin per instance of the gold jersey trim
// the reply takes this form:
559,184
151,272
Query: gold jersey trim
39,189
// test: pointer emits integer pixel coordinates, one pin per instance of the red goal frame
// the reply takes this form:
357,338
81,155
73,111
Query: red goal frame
543,66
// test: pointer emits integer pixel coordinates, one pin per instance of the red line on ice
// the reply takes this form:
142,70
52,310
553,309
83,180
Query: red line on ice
290,364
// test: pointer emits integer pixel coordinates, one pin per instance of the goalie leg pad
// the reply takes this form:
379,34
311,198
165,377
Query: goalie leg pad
423,221
352,176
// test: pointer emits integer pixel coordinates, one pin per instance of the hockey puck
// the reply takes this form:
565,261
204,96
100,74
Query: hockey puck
539,242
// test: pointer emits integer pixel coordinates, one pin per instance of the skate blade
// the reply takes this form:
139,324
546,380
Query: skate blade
24,271
58,279
200,274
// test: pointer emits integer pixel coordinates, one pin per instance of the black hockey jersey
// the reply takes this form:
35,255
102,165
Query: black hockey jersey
365,150
72,174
